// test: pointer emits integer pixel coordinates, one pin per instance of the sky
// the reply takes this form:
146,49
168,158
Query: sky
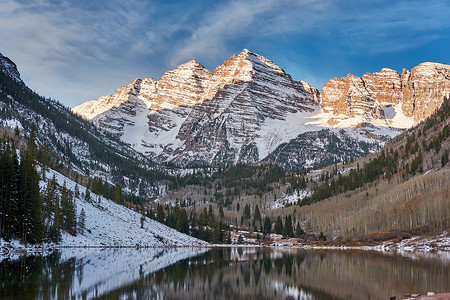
74,51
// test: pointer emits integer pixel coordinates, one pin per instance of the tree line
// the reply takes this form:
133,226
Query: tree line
26,213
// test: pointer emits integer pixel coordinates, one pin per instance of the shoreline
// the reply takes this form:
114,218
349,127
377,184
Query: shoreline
439,242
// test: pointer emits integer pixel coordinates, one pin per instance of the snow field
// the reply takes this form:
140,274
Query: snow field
112,225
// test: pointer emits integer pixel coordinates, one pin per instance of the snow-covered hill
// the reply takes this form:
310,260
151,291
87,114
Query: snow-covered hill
113,225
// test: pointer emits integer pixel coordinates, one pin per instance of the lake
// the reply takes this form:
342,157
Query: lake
223,273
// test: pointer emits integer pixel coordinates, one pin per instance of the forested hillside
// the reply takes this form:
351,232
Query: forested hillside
403,190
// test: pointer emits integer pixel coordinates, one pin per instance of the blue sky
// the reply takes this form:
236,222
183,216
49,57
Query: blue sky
75,51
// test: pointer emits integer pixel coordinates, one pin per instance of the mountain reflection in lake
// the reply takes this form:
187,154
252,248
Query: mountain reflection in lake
223,273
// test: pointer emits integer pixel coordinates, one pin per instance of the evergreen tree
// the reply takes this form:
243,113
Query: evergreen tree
50,200
298,230
160,215
87,196
182,221
211,219
118,194
77,191
322,237
9,177
279,226
267,228
82,221
54,232
203,218
31,229
288,229
142,215
68,211
256,217
221,214
246,213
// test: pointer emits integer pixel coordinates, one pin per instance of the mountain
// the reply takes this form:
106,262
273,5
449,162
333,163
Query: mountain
89,167
75,147
400,191
400,100
242,112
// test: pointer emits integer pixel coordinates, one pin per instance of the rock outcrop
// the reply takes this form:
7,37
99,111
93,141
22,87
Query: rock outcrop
9,68
415,94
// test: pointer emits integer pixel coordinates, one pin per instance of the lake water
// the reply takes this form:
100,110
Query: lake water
223,273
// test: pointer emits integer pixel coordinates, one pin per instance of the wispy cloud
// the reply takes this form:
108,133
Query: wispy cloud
224,23
79,50
53,41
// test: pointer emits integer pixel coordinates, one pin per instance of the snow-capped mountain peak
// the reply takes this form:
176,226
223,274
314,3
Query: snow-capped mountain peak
249,107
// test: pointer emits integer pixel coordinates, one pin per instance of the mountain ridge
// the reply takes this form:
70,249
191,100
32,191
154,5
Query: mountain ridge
247,89
249,107
409,97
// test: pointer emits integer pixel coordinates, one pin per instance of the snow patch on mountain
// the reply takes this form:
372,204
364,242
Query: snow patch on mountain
275,132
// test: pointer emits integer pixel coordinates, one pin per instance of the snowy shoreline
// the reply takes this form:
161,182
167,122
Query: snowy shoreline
416,244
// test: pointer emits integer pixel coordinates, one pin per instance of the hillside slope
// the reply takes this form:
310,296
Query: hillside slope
113,225
75,146
405,188
108,224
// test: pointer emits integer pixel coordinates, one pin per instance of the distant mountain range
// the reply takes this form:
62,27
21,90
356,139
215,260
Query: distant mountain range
249,110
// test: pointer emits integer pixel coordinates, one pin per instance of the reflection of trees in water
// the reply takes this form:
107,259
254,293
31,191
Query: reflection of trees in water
268,273
229,273
37,277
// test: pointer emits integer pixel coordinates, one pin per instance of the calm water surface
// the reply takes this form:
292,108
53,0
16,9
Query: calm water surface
222,273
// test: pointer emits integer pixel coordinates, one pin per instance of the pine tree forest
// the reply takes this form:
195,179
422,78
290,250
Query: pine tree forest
26,213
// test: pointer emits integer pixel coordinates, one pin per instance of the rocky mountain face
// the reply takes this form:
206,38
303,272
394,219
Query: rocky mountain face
249,110
240,112
401,99
9,68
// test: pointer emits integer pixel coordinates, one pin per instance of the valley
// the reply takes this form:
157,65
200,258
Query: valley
248,149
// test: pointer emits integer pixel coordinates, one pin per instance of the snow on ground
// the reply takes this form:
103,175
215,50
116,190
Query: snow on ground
290,199
423,243
396,117
12,123
105,270
112,225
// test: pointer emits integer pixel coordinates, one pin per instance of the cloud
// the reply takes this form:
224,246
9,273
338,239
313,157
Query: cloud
57,42
62,47
225,23
249,22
